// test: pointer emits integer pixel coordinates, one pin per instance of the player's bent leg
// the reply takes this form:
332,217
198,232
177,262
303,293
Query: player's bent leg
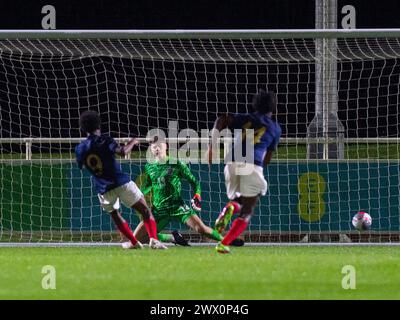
149,223
194,222
240,224
165,237
123,227
231,208
162,222
141,233
174,237
131,196
147,217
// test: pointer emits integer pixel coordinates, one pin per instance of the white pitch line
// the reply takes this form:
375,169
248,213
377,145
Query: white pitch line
209,244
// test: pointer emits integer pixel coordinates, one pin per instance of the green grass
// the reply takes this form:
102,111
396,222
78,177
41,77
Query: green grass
351,151
285,152
200,273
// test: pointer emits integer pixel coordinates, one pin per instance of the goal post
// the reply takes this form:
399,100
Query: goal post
145,79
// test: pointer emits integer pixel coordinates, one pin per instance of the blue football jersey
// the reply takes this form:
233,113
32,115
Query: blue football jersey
97,154
267,133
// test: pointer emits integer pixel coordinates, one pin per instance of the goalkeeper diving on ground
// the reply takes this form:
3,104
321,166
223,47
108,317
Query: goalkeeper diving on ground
245,181
163,178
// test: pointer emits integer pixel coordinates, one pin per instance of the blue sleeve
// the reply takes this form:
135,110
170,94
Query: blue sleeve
78,155
112,144
275,141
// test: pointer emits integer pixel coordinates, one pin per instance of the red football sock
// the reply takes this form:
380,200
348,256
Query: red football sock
123,227
238,226
151,228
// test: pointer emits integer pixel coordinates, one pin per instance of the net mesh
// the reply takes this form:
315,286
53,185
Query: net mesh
138,85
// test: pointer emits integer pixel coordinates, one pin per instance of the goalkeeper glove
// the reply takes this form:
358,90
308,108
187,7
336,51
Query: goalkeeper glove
196,202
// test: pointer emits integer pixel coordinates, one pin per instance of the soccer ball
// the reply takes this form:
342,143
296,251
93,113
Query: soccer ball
362,221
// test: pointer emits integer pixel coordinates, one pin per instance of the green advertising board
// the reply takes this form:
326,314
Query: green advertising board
302,196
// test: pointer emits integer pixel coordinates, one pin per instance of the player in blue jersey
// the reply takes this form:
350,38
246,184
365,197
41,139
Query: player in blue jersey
244,181
97,154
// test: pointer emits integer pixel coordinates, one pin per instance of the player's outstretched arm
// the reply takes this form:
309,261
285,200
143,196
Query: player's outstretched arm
188,175
185,173
124,150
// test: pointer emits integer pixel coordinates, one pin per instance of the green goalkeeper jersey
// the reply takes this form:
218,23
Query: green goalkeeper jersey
165,182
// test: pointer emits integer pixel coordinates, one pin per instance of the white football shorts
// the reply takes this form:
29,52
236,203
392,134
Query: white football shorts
244,179
128,194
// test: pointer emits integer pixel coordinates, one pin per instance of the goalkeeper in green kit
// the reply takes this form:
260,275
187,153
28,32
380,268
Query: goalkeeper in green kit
163,179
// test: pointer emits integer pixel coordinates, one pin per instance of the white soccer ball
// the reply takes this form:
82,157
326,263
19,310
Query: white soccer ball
362,221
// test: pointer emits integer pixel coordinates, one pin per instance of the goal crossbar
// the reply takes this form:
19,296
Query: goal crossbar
391,140
201,34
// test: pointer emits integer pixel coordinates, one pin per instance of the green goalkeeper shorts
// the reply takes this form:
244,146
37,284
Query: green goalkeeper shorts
181,214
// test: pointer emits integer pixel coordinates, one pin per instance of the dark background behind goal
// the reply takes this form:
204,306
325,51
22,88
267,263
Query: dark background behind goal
183,14
369,95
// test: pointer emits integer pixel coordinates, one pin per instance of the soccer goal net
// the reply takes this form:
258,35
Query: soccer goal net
338,105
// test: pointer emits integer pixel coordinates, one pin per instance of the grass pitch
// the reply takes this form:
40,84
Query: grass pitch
201,273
